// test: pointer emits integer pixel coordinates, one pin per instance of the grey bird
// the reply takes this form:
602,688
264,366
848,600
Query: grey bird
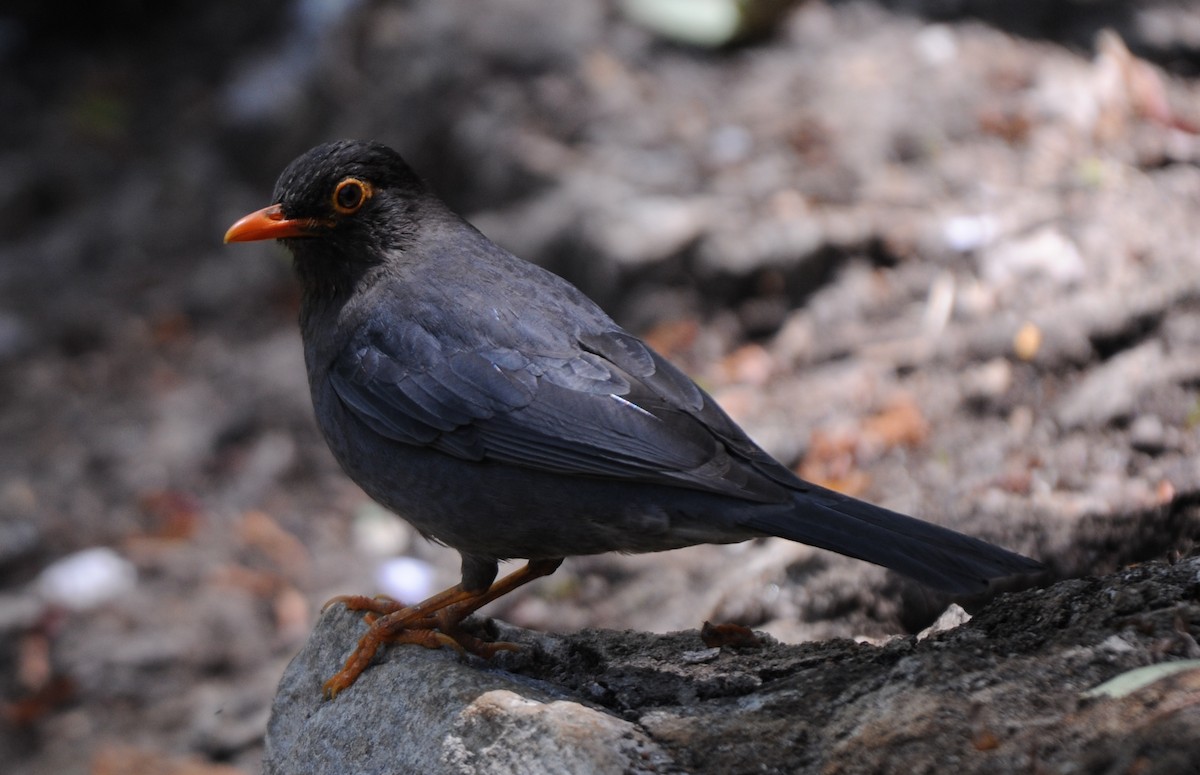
502,413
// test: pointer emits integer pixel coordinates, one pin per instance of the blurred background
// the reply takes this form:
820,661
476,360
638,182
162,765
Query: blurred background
940,254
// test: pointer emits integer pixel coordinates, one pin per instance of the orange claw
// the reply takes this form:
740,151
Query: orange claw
432,623
380,604
365,652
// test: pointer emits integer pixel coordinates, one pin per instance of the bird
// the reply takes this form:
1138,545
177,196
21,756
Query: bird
504,414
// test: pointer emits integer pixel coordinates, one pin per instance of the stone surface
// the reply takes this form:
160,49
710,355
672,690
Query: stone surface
1004,692
439,716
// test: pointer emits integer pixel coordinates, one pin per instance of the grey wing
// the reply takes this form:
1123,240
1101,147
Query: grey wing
613,408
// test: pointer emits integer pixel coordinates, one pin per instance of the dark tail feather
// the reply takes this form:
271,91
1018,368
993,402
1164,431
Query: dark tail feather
932,555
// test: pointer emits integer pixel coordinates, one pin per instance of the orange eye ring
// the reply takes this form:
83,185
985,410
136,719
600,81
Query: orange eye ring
350,194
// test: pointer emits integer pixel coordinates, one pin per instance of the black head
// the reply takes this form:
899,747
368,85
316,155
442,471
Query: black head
339,208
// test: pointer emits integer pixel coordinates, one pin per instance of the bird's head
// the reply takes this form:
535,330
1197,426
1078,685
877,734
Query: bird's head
339,208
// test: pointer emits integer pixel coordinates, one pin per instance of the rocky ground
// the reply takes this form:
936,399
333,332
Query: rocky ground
944,256
1023,687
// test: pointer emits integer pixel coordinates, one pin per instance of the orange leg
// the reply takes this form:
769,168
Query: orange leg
432,623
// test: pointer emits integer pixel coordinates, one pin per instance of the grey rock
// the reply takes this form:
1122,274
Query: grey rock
1148,434
1112,392
425,711
1004,692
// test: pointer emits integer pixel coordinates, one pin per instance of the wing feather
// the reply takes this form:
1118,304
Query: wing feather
614,409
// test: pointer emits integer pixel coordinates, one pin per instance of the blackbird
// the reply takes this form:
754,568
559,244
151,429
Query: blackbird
500,411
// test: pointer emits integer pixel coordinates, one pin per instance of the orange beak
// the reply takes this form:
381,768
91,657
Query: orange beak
269,223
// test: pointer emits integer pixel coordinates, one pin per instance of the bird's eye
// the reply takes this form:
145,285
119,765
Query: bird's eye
350,195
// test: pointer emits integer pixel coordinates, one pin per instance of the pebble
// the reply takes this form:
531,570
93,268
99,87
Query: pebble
87,579
405,578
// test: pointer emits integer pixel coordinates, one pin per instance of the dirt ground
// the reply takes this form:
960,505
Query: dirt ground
945,256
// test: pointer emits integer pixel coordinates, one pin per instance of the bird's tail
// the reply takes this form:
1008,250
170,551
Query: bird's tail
928,553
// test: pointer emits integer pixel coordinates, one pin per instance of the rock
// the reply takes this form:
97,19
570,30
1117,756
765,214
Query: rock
1046,255
638,230
503,731
1111,392
1005,692
429,712
87,579
707,23
1148,434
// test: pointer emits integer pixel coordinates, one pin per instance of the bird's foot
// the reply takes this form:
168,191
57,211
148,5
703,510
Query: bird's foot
465,642
432,623
369,644
432,631
380,605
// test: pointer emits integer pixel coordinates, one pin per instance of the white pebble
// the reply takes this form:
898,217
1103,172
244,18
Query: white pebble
406,579
969,232
379,532
87,579
936,45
